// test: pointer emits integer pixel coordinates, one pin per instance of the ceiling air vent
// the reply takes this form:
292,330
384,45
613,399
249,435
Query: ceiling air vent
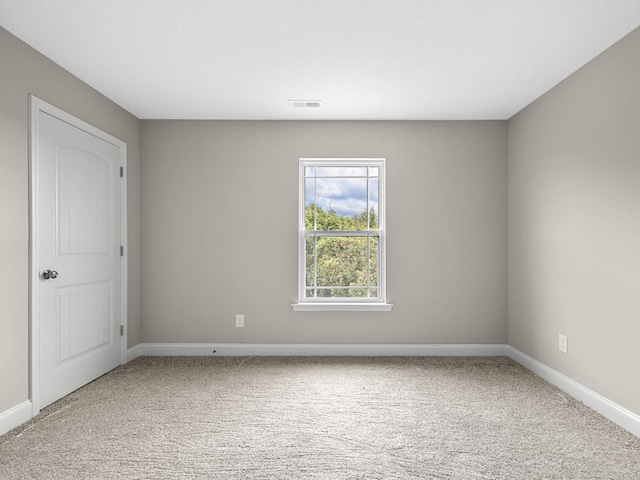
305,103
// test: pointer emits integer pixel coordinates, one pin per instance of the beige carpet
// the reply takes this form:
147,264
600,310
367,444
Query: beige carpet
319,418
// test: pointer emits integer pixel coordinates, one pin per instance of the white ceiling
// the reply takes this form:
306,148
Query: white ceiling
365,59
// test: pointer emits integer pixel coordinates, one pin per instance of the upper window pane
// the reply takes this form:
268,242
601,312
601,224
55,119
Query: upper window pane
341,202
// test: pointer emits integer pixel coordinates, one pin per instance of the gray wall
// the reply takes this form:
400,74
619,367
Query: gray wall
219,231
574,225
24,71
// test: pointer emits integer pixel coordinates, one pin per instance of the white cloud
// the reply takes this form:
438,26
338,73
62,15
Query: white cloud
346,196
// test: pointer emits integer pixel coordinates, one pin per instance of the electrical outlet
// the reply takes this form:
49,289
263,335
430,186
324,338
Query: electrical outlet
563,343
240,321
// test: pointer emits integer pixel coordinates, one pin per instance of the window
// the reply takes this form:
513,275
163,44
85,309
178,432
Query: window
342,236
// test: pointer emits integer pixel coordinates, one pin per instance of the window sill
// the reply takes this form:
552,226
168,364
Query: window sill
342,307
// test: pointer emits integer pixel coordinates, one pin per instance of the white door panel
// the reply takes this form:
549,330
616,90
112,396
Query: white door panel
83,317
77,234
84,183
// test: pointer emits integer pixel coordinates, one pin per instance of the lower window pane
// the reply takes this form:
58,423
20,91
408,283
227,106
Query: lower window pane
341,267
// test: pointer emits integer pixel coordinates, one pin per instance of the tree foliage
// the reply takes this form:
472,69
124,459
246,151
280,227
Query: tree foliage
341,261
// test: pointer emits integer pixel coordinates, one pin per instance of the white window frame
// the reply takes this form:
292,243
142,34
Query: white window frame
350,303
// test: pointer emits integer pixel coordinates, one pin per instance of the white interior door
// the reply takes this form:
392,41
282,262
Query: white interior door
76,253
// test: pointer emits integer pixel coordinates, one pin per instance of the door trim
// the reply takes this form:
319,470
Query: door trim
37,105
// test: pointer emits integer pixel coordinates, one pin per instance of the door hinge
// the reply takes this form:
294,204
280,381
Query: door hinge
121,171
121,250
122,330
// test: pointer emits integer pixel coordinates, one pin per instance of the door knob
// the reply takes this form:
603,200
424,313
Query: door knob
49,274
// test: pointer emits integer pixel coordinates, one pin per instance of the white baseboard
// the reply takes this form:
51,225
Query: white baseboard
15,416
605,407
135,352
291,350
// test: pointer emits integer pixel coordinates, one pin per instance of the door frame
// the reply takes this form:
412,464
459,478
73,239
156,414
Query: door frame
38,105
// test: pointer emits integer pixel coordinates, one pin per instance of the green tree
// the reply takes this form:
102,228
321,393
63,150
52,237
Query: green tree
330,220
341,261
360,220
